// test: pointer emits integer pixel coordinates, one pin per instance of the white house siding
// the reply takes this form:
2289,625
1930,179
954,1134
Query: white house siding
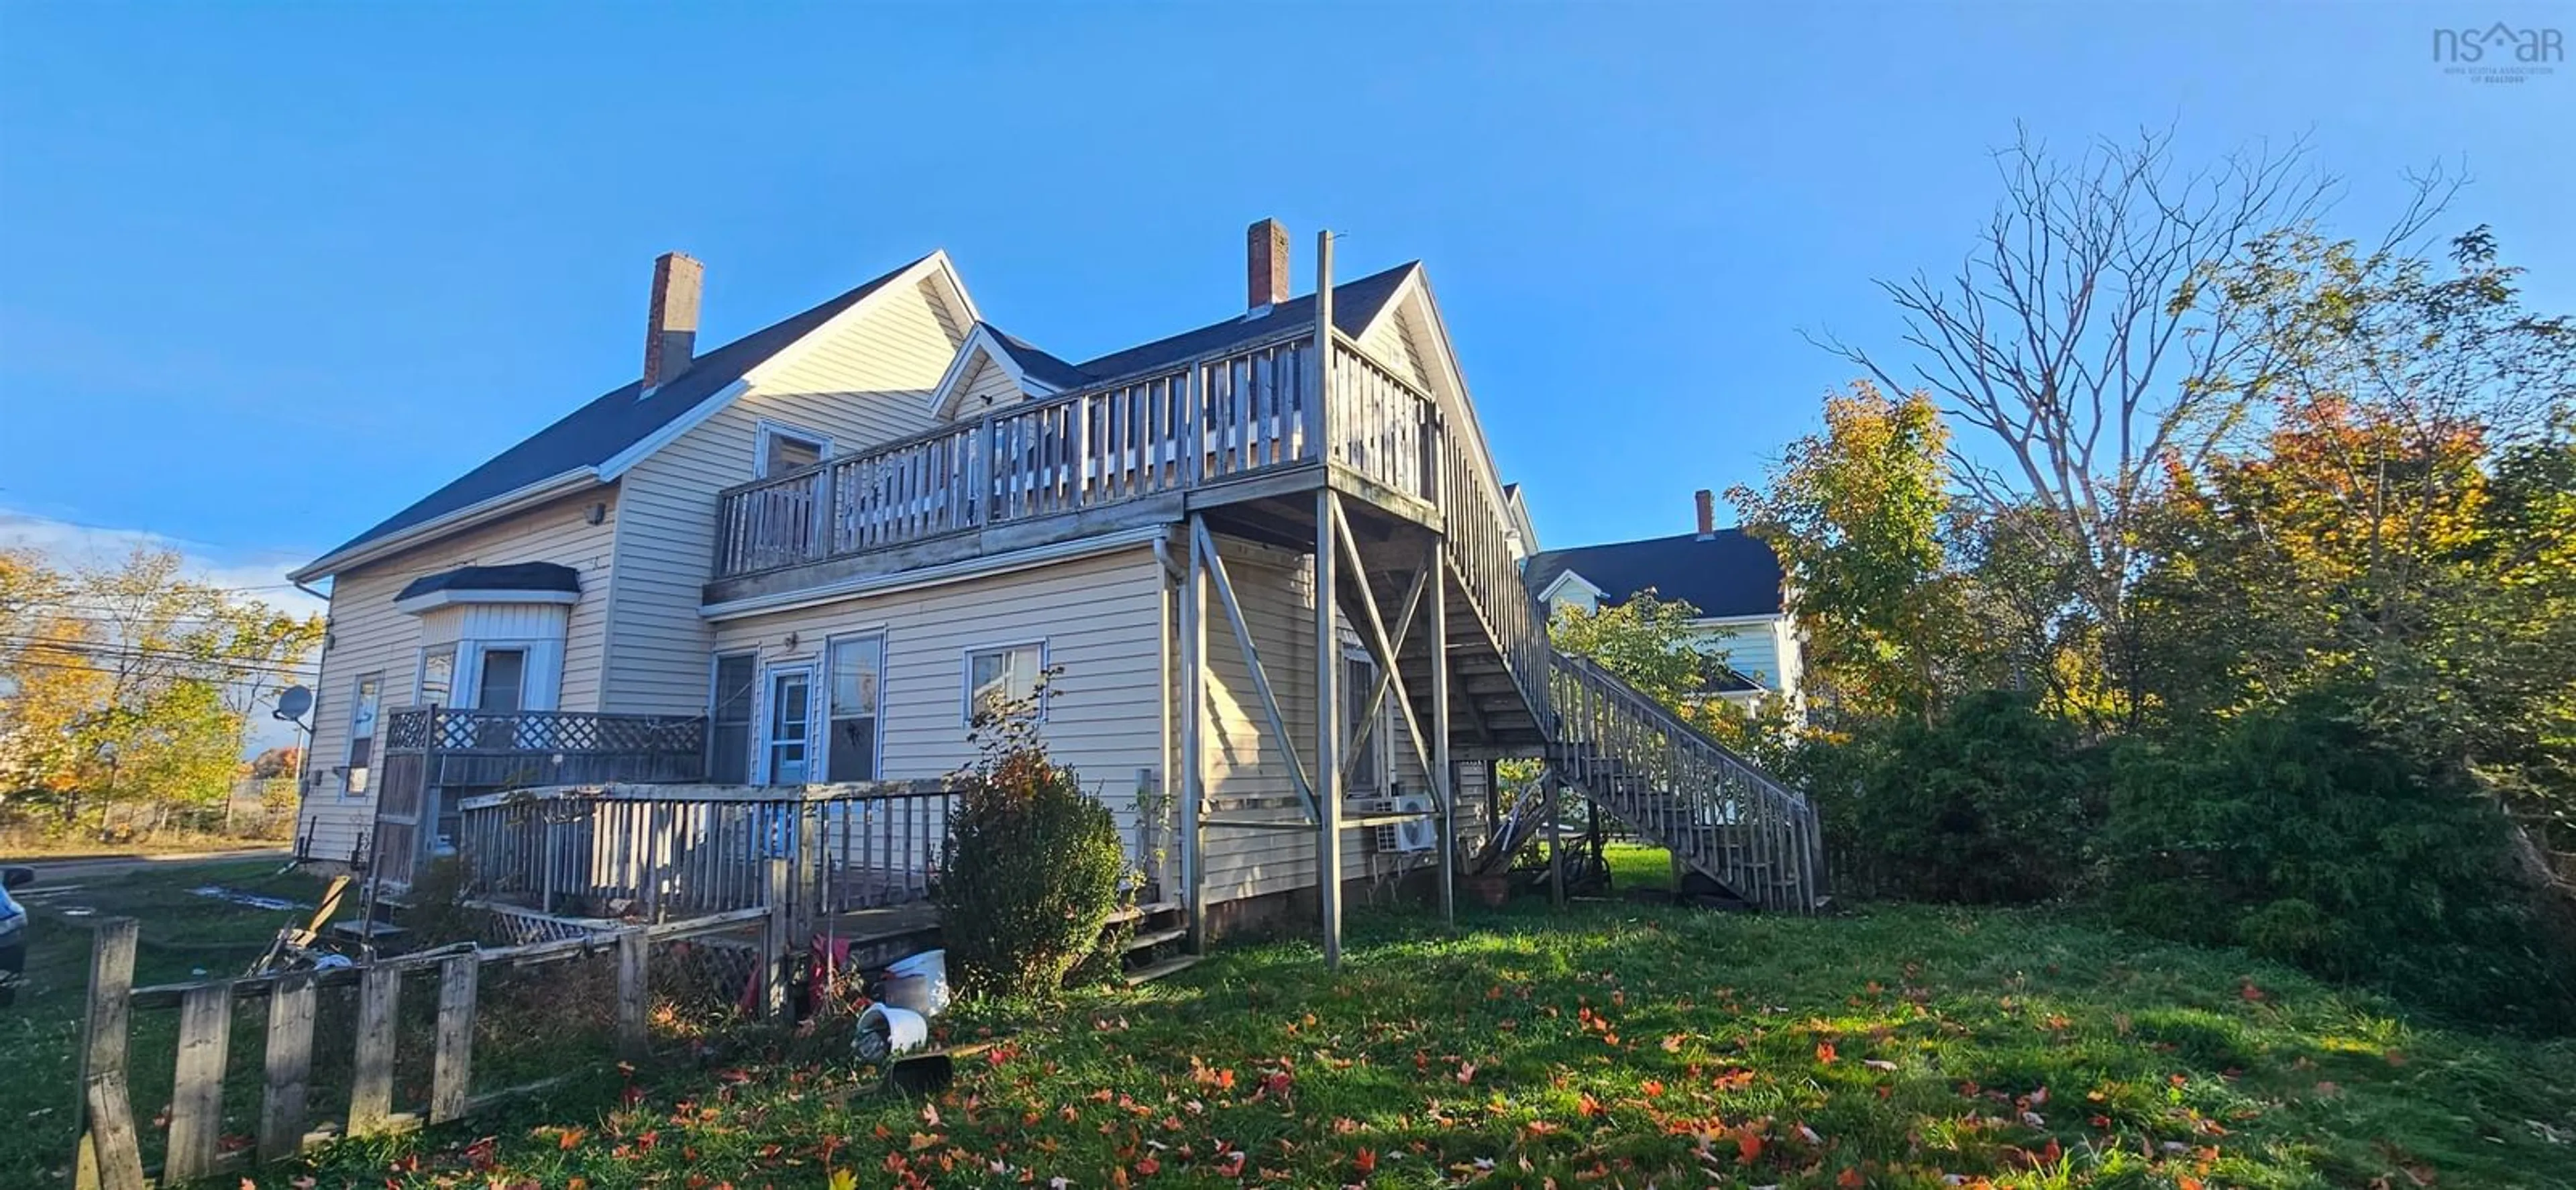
1751,647
368,635
1099,617
1393,343
1248,774
867,381
987,385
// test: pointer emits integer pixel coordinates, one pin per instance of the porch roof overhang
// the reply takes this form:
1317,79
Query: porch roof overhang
523,582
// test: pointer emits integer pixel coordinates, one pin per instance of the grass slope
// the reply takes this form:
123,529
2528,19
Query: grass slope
1622,1045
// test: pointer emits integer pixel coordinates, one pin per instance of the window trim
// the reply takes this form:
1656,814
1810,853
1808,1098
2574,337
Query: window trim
455,651
1381,741
876,763
966,673
349,765
751,709
763,430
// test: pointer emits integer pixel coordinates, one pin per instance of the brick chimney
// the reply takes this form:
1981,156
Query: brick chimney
1265,264
1707,501
671,326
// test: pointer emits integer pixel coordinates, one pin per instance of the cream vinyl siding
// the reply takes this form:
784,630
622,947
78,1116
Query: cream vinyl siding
1393,342
1099,618
988,382
862,383
1247,774
1752,647
368,635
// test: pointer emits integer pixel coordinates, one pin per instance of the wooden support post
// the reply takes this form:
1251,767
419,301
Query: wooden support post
451,1072
1443,786
289,1062
371,1082
1328,732
1194,701
632,991
109,1156
197,1084
776,943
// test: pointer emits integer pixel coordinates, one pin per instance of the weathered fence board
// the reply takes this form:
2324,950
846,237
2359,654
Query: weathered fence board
633,985
289,1068
197,1088
109,1157
451,1071
371,1095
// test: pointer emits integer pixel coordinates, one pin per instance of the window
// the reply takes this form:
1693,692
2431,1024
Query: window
501,688
729,721
781,449
791,726
362,729
437,677
851,749
1003,674
1369,750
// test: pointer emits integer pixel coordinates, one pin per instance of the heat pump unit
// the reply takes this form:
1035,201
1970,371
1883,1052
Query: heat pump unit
1411,836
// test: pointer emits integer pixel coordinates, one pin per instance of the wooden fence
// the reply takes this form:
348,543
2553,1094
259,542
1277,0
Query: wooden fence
111,1145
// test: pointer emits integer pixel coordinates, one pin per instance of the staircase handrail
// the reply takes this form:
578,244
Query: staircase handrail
1629,699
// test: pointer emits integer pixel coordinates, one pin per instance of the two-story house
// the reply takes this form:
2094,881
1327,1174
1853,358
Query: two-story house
1268,562
1728,576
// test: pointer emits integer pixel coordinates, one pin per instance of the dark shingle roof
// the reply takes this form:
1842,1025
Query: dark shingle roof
598,431
518,576
1355,305
1730,574
1036,363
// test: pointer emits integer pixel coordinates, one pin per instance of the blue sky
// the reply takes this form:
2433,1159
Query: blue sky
268,273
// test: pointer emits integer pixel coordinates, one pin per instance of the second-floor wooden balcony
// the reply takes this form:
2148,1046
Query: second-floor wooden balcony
1140,446
1252,426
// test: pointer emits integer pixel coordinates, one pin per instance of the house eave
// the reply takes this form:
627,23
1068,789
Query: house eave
438,599
551,488
932,576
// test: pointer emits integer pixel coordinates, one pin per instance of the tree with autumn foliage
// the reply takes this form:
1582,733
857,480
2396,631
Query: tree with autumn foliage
1856,516
131,684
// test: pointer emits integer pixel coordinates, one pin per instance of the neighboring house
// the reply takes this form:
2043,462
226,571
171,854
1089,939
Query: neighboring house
1730,577
807,556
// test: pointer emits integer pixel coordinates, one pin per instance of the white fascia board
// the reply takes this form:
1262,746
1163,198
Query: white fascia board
1549,594
438,526
933,576
1738,621
418,604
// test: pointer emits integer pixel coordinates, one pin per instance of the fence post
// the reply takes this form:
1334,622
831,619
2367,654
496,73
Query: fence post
632,988
109,1157
774,986
452,1066
197,1084
371,1083
289,1064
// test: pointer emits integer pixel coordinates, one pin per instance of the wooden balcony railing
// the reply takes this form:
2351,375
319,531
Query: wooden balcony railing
1212,419
660,851
431,756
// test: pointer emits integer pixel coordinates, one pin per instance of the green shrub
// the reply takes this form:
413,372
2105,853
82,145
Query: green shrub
1995,802
1033,867
2303,836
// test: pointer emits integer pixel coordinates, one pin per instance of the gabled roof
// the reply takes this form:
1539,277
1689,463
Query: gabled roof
621,418
1732,573
1356,304
1044,368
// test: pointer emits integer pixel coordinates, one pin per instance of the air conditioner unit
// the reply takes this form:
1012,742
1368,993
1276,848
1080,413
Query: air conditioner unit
1411,836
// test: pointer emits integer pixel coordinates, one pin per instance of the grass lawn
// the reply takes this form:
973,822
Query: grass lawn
1618,1044
180,935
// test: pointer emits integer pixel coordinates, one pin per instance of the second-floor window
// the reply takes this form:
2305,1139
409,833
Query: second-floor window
780,449
363,705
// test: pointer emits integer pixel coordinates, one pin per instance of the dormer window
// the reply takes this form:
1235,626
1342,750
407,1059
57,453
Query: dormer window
780,448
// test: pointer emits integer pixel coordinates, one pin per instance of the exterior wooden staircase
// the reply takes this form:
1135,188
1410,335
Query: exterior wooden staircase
1672,784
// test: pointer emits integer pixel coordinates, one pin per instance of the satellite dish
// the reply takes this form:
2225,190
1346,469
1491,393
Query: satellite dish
292,702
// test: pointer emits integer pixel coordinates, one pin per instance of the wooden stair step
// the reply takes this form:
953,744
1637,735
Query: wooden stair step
1156,971
1149,939
1140,912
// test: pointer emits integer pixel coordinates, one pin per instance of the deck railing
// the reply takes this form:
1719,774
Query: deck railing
1211,419
662,851
1675,784
431,756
